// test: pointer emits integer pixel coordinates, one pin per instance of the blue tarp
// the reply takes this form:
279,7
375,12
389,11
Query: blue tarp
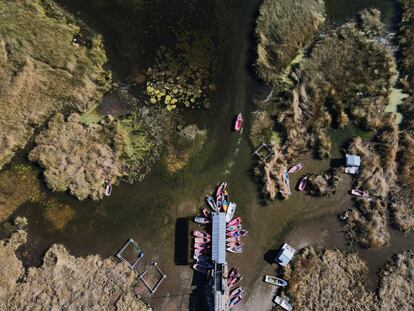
218,239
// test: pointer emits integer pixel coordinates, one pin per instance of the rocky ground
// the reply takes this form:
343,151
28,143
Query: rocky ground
64,281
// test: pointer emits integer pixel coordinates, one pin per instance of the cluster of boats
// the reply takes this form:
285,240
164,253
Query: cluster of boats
237,293
202,247
234,233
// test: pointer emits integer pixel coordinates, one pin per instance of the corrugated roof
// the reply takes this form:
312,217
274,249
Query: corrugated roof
218,239
353,160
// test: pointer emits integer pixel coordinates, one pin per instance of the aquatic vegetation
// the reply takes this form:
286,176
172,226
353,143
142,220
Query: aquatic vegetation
181,144
42,70
78,158
334,280
283,28
56,284
262,128
180,76
406,43
324,184
18,185
58,214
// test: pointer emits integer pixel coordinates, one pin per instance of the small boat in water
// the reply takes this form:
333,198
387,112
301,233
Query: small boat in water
201,234
233,239
202,240
233,272
235,249
232,228
303,184
283,302
211,203
239,123
202,246
205,264
219,202
360,193
206,212
201,251
275,281
201,220
234,244
233,281
201,257
237,291
235,300
236,221
108,188
221,188
237,233
295,168
230,211
200,269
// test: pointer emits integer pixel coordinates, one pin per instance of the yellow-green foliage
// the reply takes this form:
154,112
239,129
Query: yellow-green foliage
58,214
18,185
77,157
283,28
42,71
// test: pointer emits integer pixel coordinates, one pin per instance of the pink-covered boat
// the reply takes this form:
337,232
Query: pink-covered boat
234,244
201,251
236,221
360,193
202,246
235,300
237,232
239,123
233,272
237,291
303,184
232,228
232,282
221,188
201,234
233,239
206,212
295,168
202,240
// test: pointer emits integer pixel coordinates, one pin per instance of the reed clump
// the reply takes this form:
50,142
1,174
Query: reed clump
324,184
56,284
42,70
283,28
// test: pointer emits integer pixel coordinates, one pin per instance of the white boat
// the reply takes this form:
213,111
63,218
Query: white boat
295,168
275,281
108,188
201,220
230,211
284,303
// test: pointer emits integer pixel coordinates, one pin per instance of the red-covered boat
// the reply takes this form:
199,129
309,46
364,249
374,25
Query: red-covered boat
239,123
360,193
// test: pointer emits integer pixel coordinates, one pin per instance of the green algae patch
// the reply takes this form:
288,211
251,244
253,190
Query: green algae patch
18,185
284,27
42,70
58,214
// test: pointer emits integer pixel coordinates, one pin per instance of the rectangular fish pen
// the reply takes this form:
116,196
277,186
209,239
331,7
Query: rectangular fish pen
130,246
158,283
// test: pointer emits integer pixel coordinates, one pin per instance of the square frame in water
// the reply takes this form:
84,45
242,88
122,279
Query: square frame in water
140,253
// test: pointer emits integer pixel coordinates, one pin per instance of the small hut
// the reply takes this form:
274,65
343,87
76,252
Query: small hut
352,162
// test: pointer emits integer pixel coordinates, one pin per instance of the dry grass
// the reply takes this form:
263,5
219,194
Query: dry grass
324,184
283,28
334,280
406,42
42,71
64,281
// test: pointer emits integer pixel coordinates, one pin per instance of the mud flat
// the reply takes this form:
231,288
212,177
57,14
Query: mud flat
334,280
64,281
42,70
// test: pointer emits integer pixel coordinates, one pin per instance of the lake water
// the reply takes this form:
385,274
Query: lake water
156,212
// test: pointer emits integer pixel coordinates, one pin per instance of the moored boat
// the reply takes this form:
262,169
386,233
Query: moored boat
206,212
232,228
237,232
108,188
234,244
232,282
236,221
237,291
303,184
202,240
360,193
201,234
201,251
219,202
202,246
230,211
235,300
201,220
295,168
233,272
205,264
199,268
235,249
275,281
233,239
221,188
239,122
211,203
201,257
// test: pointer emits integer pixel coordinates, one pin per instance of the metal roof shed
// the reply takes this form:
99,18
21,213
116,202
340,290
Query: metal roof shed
352,160
218,239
